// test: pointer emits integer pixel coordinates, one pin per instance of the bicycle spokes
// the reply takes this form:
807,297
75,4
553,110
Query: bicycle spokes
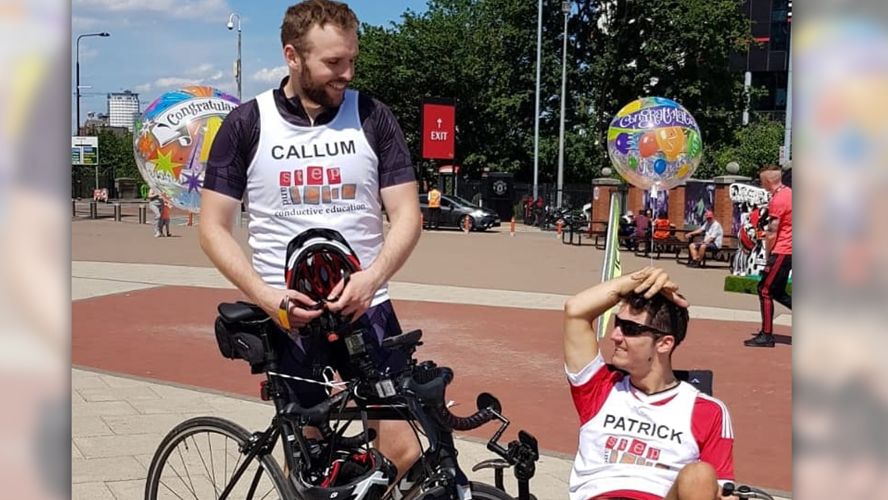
203,465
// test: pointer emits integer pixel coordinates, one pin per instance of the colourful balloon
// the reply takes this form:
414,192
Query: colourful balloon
622,143
695,144
671,141
172,141
664,146
647,146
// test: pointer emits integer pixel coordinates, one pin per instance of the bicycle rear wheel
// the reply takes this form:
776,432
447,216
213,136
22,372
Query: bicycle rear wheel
198,459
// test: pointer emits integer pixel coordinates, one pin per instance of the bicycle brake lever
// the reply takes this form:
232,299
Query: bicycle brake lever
492,463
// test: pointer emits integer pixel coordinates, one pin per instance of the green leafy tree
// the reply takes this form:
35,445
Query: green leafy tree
482,55
116,158
753,146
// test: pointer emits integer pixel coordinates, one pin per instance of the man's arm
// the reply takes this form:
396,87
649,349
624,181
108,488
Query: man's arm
581,310
771,232
217,213
402,206
217,242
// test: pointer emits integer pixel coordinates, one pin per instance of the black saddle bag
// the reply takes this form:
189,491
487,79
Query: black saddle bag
243,339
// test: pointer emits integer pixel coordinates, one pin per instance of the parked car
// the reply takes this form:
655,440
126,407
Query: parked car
455,211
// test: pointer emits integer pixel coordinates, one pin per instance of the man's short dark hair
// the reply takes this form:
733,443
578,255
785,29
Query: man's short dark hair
301,17
663,314
770,168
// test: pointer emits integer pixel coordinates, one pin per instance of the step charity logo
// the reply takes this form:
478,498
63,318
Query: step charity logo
314,185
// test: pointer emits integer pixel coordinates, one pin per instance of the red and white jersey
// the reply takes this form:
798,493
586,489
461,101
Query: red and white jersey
632,445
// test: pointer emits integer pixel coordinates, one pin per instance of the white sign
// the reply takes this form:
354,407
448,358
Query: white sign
85,150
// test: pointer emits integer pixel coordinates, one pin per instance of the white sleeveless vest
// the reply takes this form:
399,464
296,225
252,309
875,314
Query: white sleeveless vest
307,177
629,444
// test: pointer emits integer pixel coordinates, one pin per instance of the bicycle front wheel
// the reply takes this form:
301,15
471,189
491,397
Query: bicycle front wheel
199,458
480,491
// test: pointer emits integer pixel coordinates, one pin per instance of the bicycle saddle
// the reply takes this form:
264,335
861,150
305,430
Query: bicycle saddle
239,312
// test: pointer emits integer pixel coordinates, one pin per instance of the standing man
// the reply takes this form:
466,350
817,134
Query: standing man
713,235
155,203
644,435
314,154
434,207
778,242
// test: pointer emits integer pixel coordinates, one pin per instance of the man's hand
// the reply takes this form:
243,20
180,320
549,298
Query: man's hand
290,309
355,299
651,281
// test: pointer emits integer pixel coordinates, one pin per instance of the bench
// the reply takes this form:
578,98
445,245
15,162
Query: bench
669,245
725,254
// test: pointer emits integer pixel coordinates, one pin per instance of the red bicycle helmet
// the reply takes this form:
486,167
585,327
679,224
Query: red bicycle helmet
363,475
317,260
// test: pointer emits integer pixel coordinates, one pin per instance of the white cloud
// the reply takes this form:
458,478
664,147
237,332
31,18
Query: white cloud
209,10
203,74
270,75
79,23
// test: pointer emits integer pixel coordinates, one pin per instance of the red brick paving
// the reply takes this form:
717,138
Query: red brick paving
167,334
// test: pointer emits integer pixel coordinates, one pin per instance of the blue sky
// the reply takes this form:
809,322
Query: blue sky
160,45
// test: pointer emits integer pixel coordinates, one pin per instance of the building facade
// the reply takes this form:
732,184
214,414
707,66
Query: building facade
123,109
766,62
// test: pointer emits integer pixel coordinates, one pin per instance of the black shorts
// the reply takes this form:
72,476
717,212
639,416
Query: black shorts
310,360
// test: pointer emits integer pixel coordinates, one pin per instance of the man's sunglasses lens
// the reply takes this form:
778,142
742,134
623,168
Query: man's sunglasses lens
631,328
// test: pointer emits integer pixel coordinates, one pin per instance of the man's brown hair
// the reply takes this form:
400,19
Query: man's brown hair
770,168
663,314
300,18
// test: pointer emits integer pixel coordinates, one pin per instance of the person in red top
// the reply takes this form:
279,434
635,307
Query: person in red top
778,242
644,435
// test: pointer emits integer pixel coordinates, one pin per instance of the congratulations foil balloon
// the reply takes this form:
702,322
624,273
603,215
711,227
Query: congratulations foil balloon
654,142
172,141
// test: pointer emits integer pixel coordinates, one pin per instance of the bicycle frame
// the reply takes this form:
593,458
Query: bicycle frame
437,466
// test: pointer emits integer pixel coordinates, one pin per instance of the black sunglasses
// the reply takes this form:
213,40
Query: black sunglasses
633,329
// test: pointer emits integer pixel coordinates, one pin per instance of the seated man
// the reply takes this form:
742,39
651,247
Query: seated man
644,435
713,234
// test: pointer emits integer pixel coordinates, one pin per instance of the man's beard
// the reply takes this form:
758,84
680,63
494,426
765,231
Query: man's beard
317,92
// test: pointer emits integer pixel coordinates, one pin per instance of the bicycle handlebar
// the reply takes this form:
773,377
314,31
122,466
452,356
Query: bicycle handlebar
745,492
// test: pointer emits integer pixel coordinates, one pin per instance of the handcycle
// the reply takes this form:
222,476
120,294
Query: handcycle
210,457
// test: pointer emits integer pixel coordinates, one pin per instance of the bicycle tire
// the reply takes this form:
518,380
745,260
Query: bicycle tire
267,469
480,491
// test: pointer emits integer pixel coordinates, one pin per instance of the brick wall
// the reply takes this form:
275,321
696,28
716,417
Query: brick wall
724,207
676,206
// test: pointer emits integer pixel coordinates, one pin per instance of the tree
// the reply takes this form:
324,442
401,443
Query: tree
471,51
752,147
116,158
482,54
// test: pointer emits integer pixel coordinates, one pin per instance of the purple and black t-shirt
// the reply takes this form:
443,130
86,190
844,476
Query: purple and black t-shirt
235,144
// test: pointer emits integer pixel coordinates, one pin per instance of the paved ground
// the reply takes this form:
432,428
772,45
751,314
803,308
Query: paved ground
159,294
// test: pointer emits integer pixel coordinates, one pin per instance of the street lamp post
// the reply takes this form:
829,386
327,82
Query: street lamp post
237,76
237,65
536,116
77,77
559,189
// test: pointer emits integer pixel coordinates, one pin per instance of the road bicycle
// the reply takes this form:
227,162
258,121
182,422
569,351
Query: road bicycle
210,457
